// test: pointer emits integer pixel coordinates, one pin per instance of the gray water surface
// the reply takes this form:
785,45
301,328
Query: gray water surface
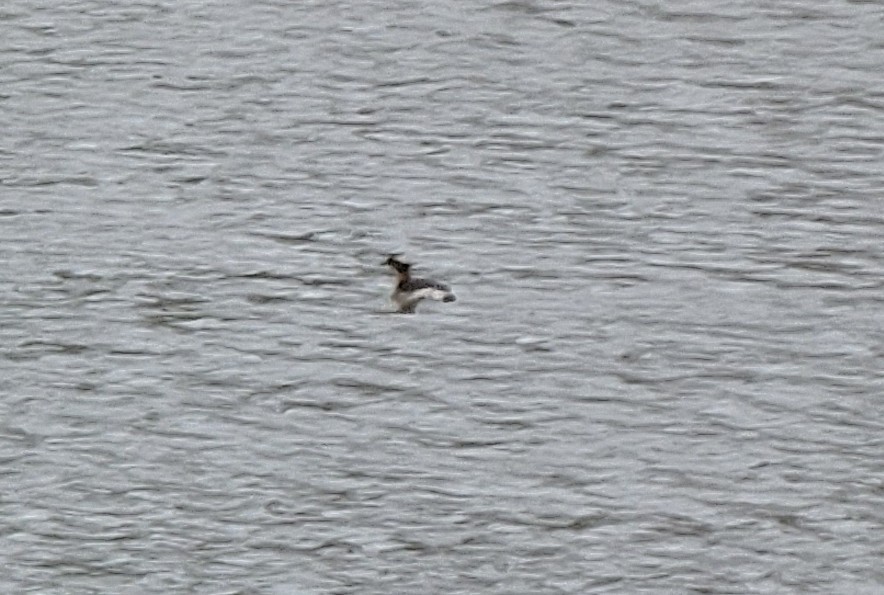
663,222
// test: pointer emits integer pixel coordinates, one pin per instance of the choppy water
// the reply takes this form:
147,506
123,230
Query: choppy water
663,223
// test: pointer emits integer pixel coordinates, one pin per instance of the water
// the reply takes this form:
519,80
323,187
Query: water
663,225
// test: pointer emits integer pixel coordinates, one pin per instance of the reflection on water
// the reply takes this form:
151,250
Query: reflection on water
662,371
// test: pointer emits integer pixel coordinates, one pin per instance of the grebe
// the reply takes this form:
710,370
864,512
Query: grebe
409,291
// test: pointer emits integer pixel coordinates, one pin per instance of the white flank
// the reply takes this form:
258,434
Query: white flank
429,293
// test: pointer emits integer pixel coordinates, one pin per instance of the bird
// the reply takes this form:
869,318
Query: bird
409,291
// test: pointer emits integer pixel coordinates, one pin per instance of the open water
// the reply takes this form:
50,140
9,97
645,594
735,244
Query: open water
663,221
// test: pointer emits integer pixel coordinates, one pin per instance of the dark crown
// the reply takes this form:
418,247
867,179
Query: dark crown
400,266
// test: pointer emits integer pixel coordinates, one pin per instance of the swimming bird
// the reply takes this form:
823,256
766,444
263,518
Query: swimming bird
409,291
